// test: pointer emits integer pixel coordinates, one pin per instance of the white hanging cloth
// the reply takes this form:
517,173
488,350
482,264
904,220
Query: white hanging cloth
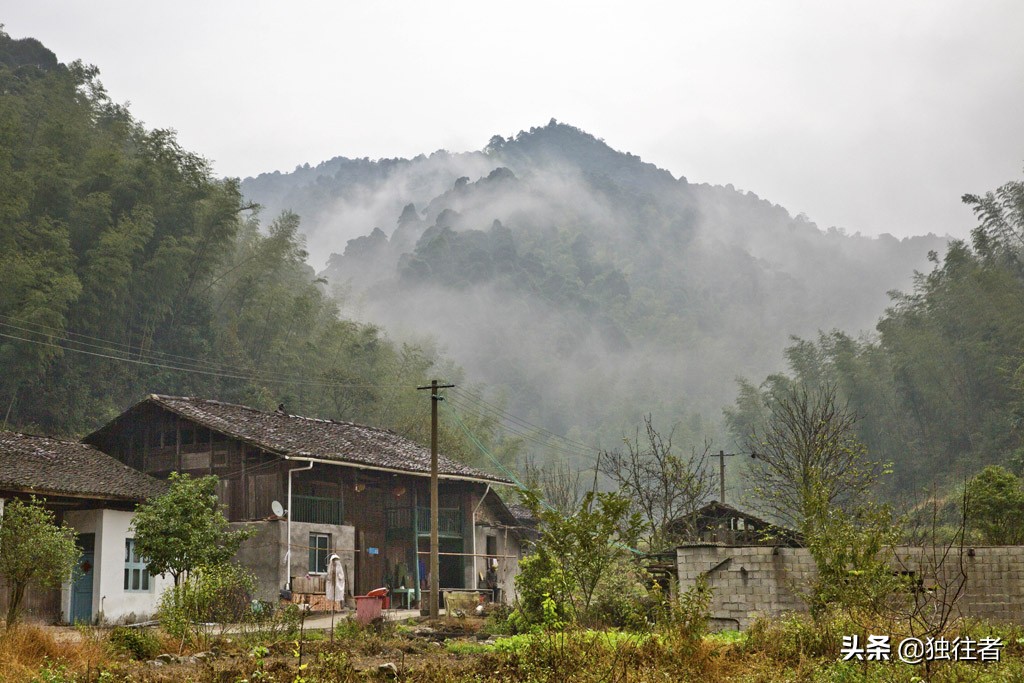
335,579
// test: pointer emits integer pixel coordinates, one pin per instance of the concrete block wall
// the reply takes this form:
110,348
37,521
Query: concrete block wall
994,586
751,581
264,553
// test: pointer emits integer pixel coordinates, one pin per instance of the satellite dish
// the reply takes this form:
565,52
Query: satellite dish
277,508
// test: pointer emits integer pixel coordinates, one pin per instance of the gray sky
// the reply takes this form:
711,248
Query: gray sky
871,116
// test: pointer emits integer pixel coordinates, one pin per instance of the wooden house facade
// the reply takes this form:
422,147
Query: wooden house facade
349,489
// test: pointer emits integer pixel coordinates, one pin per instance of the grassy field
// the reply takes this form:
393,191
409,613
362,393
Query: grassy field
464,650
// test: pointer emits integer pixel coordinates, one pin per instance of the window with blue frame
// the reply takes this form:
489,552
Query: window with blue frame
136,576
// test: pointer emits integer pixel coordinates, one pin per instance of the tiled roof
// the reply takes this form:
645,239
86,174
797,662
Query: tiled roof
44,465
522,514
299,436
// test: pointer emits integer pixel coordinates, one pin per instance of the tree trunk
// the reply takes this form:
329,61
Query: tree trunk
14,596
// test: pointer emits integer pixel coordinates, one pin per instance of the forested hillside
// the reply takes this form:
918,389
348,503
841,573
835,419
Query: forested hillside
940,387
578,286
585,285
128,269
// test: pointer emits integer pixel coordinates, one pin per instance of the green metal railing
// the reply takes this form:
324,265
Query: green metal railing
316,510
399,521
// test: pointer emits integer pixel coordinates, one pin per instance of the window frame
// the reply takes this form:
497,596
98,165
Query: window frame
315,550
135,571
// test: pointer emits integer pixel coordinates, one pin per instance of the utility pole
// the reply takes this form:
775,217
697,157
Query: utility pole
721,474
434,568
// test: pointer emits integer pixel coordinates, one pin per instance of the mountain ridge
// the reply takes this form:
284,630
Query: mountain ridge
589,258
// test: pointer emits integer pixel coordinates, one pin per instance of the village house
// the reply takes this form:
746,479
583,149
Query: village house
718,522
95,495
313,487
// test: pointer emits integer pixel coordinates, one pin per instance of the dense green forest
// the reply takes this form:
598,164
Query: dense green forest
939,388
128,269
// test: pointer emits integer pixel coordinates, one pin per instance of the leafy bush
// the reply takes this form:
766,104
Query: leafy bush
497,621
139,643
218,595
573,557
54,672
622,598
795,637
539,580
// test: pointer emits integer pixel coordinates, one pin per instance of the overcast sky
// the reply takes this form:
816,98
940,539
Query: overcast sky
871,116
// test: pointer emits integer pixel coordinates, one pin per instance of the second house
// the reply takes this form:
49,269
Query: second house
314,487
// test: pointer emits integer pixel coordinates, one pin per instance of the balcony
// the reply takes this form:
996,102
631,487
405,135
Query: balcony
399,522
317,510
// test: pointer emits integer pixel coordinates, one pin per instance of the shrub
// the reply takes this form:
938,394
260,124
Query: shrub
139,643
683,620
793,637
218,595
622,599
539,580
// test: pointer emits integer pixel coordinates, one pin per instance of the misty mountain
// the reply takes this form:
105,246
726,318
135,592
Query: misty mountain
584,285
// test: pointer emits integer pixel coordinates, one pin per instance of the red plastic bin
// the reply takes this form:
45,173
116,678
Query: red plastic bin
368,608
381,593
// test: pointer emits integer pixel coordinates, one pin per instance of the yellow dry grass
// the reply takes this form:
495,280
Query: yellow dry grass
25,647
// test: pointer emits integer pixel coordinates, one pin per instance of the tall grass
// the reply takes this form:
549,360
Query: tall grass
25,648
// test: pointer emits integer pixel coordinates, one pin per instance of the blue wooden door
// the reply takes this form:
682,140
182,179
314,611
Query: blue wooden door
81,588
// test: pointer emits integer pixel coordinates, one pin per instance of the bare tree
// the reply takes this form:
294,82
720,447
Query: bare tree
807,456
665,488
557,483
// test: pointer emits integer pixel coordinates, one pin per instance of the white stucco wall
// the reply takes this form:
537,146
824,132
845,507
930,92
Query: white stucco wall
109,596
508,567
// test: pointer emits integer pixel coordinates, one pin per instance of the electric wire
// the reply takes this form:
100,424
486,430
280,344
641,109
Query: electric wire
196,364
469,395
183,367
533,438
107,343
483,449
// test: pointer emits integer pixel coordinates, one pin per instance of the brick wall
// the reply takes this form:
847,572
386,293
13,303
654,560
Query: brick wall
749,581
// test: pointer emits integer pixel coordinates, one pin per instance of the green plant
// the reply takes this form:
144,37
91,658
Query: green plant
464,647
622,598
347,629
217,594
996,506
34,550
259,673
184,529
54,672
573,555
853,573
332,667
682,620
297,653
139,643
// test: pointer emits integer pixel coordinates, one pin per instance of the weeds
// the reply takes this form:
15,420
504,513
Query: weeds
137,643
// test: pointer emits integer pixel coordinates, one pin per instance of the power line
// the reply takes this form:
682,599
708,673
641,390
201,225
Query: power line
533,438
106,343
199,364
483,449
126,350
181,367
522,422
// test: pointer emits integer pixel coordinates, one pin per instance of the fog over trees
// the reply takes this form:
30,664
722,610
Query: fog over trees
586,286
